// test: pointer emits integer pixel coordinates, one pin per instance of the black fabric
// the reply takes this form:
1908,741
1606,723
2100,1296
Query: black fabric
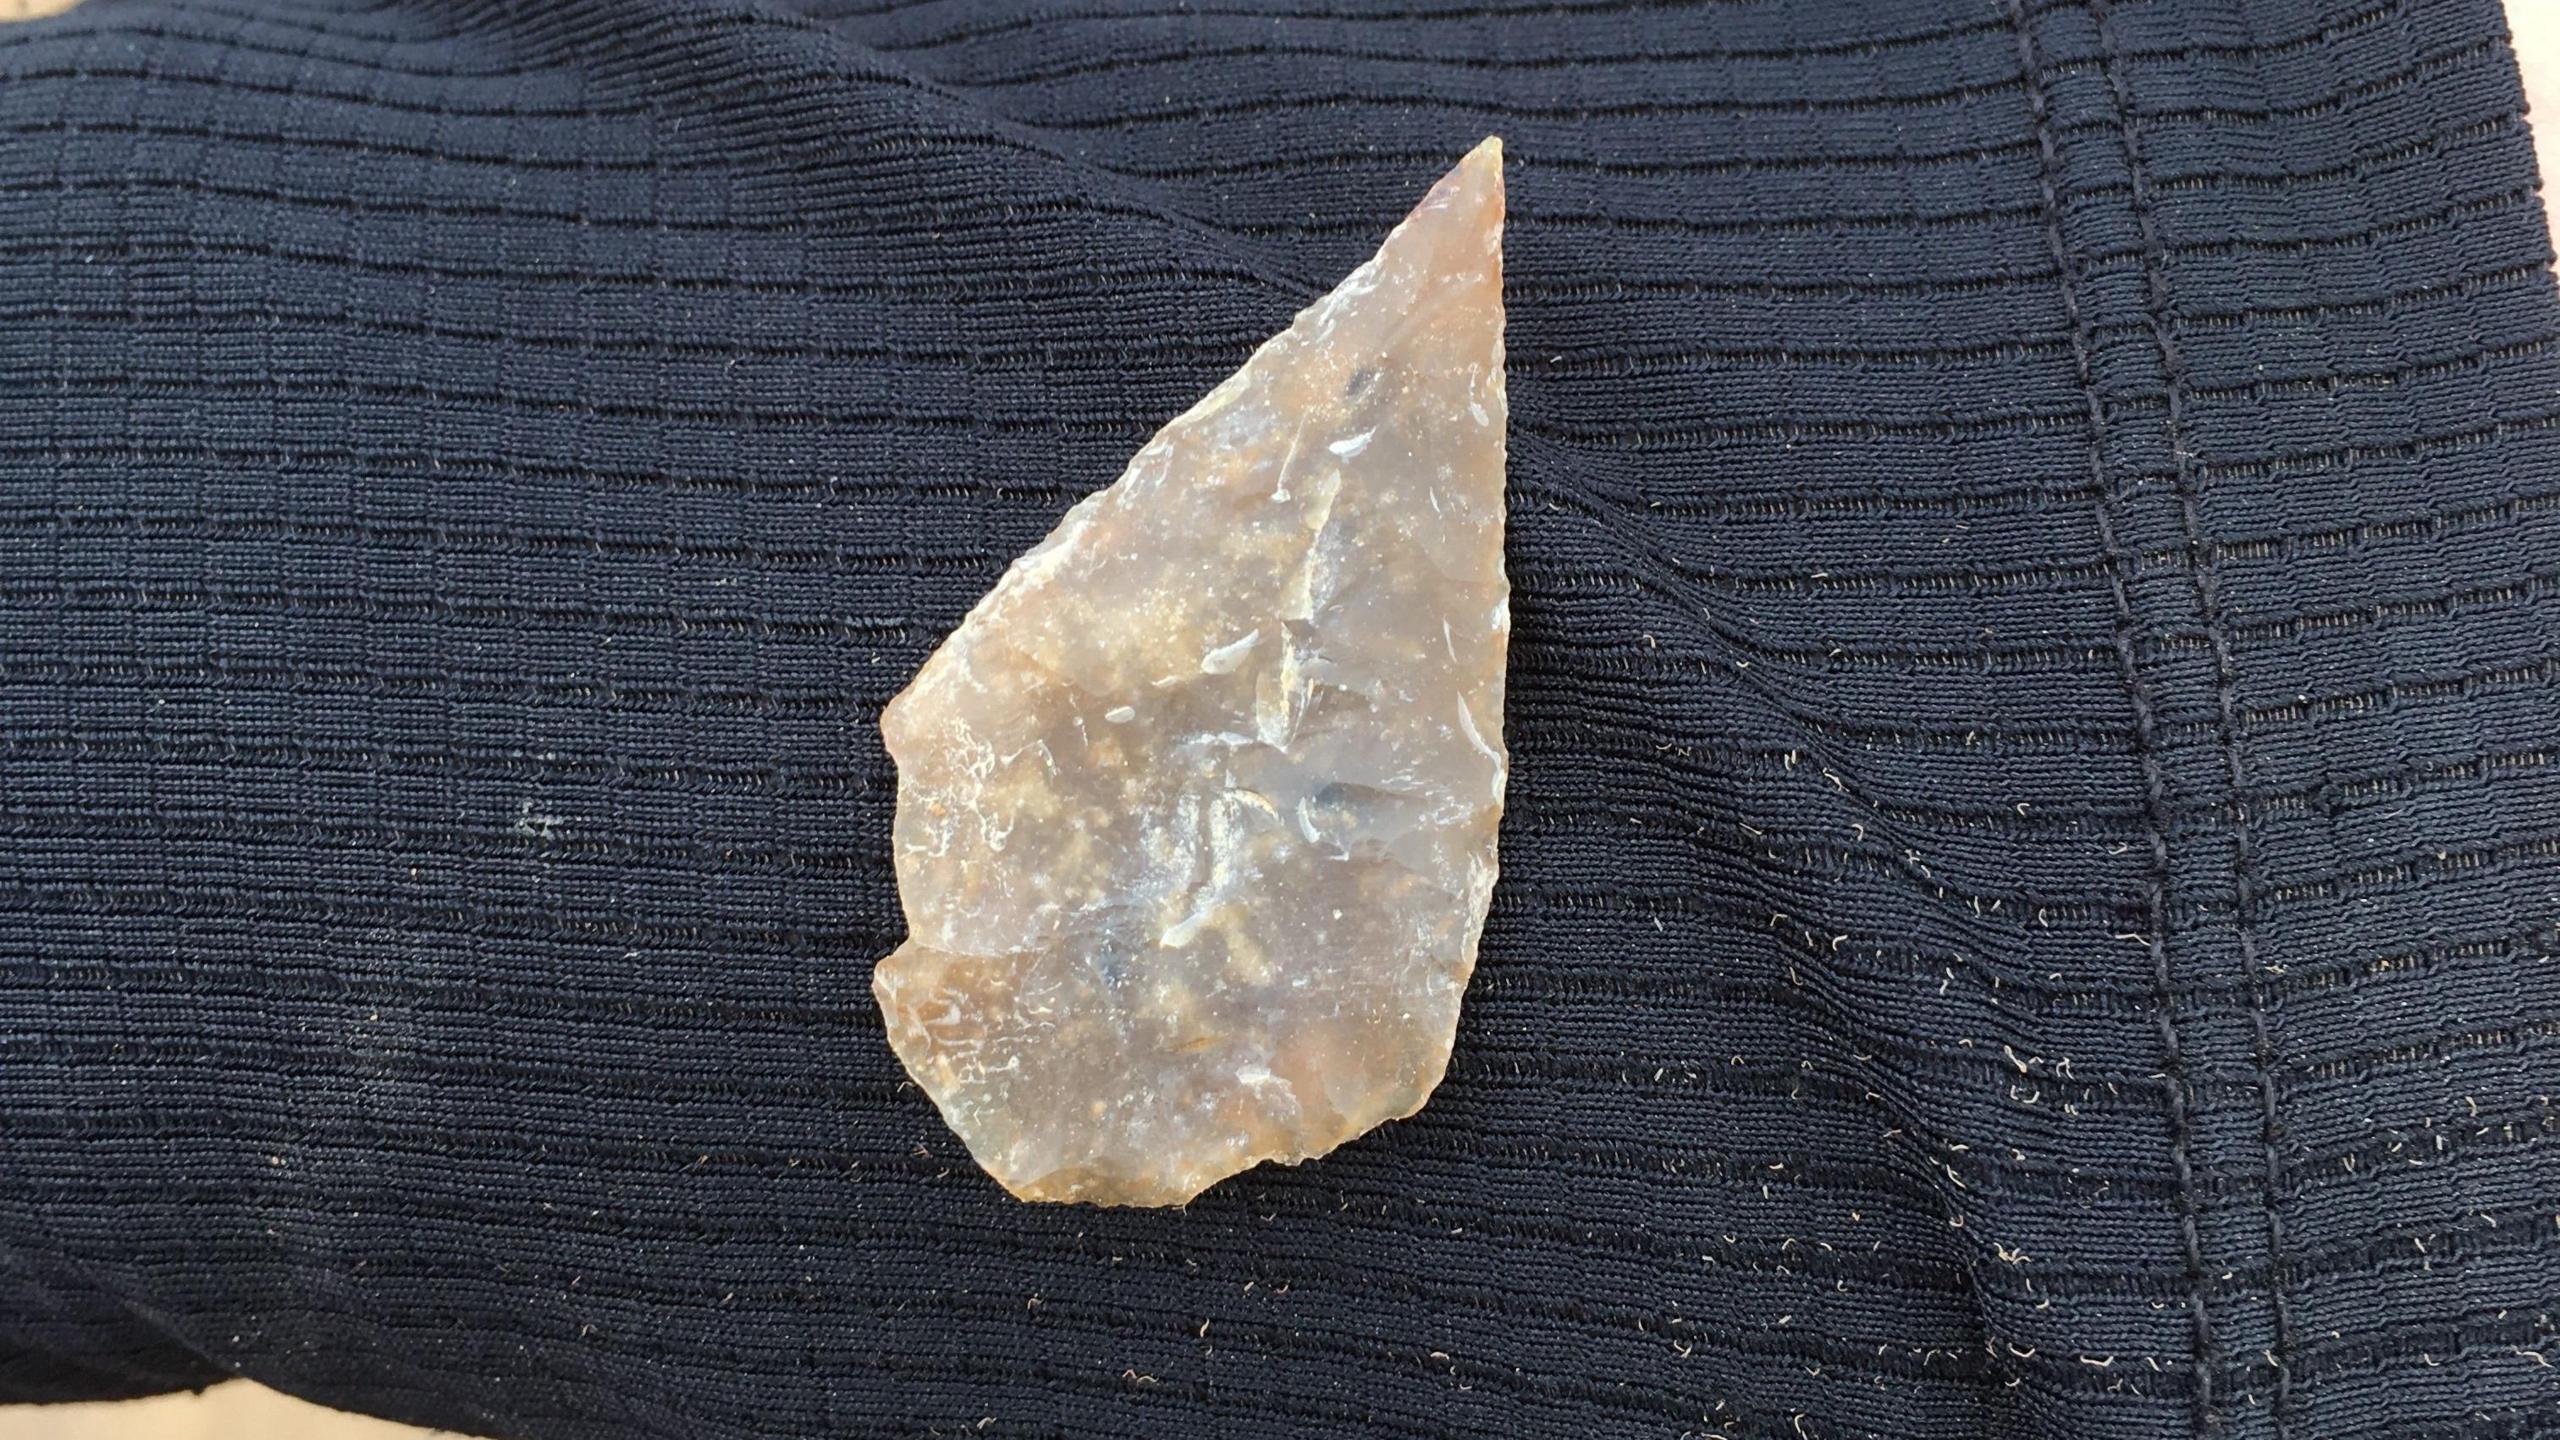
2029,903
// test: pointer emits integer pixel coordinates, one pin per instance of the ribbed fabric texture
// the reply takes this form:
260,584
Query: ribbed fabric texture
2029,904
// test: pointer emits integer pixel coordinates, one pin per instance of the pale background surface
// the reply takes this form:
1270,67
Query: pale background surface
237,1411
243,1411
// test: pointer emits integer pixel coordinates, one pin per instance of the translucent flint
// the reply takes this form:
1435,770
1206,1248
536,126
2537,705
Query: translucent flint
1197,808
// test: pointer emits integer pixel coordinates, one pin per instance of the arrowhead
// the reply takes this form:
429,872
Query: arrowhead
1197,808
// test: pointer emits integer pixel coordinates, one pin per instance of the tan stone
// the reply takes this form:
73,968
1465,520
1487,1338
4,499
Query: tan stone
1196,809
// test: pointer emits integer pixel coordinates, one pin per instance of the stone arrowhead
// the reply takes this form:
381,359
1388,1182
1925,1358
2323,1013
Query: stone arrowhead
1196,809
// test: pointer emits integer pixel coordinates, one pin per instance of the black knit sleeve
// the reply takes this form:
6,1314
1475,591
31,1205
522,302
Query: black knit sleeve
2028,901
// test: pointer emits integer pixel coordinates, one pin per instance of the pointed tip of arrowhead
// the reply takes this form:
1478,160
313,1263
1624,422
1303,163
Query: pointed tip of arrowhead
1468,197
1482,167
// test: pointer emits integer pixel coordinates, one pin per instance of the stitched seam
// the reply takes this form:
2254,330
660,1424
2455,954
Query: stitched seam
2202,562
2174,1090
